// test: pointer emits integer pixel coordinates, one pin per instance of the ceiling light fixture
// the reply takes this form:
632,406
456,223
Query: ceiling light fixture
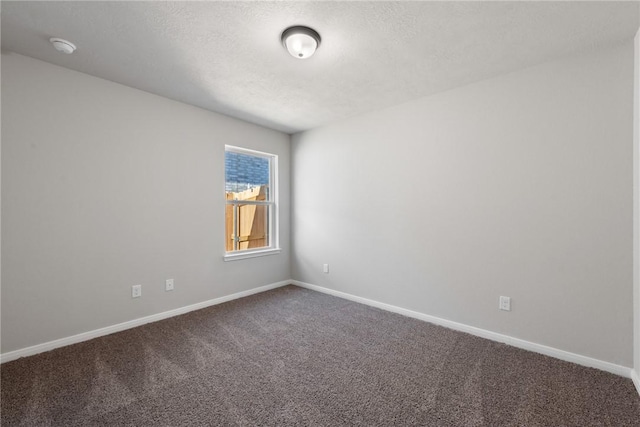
62,45
301,42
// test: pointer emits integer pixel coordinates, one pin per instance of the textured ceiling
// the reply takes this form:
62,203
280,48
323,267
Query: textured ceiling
227,56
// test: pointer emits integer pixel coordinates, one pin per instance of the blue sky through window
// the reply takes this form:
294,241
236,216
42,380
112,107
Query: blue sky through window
244,171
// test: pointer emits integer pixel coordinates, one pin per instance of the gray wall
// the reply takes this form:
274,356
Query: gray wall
520,186
105,187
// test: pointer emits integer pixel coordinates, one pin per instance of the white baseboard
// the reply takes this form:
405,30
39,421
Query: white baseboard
636,379
493,336
85,336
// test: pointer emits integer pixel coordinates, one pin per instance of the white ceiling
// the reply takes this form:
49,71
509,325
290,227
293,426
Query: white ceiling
227,57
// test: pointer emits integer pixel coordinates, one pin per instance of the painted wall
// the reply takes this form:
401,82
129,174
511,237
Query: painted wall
519,186
105,187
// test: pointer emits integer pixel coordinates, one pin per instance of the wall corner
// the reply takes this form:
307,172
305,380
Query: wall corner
636,212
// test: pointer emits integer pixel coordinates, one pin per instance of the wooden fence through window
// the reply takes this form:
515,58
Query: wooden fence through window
250,220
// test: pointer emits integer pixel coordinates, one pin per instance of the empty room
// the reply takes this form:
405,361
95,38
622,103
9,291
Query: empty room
325,213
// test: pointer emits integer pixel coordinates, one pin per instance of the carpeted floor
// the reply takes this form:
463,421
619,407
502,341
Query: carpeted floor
297,357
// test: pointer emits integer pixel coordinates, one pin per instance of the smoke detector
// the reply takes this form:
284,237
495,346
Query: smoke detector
62,45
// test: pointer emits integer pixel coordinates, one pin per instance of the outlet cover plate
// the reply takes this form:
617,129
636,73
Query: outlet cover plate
136,291
505,303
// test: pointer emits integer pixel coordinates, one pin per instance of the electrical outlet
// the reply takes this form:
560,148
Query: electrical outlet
505,303
325,268
136,291
168,285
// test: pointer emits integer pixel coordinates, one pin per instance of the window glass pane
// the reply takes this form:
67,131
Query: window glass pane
247,179
244,172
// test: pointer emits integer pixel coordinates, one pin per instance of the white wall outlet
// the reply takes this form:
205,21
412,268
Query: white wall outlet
325,268
136,291
505,303
168,285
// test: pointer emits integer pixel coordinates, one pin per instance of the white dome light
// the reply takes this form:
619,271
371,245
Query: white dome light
62,45
301,42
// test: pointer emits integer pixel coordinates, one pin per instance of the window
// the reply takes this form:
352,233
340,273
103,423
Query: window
251,203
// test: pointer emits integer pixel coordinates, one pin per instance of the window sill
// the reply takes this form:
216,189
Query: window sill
234,256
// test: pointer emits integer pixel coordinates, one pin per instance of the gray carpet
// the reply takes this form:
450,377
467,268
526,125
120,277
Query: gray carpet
297,357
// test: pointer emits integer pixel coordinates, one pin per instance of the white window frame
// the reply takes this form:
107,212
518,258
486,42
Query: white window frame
272,232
